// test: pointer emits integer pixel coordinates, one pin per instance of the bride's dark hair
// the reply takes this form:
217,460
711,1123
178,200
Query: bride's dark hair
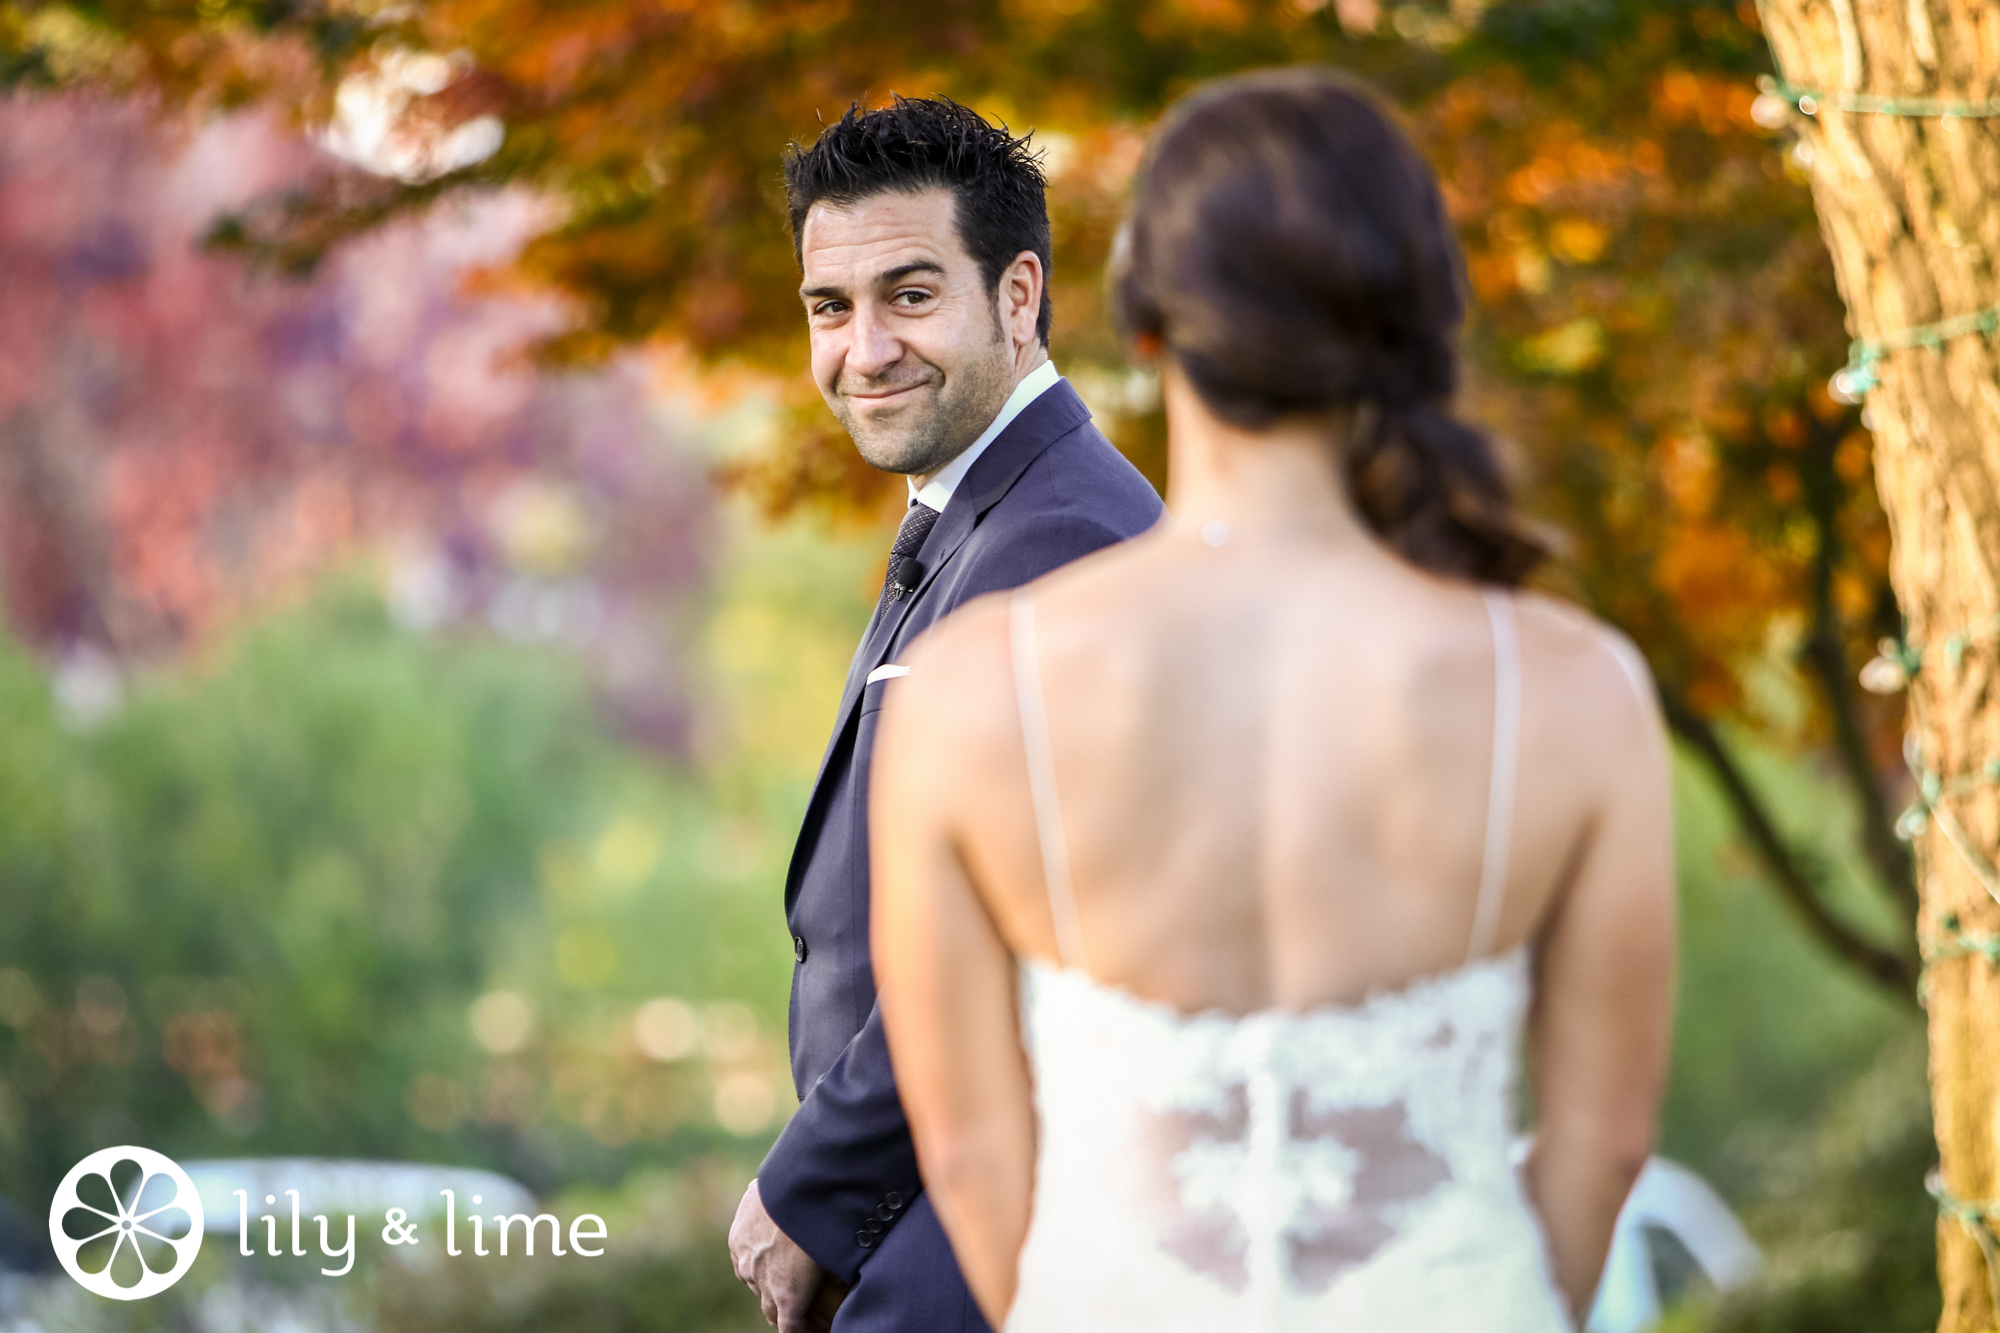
1289,248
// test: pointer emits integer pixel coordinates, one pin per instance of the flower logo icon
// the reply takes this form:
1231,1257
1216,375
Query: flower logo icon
126,1223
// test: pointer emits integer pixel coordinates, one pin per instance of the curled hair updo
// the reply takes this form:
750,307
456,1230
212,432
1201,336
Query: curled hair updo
1290,250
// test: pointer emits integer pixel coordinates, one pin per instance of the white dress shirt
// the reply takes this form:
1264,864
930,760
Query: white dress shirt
937,491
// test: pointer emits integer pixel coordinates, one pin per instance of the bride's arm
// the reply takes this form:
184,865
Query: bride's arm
1604,990
945,977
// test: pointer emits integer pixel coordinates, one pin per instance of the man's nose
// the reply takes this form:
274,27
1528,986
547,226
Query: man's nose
872,347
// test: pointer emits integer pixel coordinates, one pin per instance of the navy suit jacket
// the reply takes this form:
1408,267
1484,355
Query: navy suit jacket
1048,490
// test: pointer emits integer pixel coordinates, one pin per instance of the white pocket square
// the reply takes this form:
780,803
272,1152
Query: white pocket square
885,673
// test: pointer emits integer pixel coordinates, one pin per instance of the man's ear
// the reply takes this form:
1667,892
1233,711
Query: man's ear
1021,297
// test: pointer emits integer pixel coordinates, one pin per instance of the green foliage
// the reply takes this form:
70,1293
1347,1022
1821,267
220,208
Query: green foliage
1769,1028
678,1293
1850,1235
1798,1087
249,913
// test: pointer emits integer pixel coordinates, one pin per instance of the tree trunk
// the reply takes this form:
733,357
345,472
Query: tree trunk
1910,207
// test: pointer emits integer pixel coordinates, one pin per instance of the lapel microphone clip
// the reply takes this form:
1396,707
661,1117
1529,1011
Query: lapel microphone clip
906,575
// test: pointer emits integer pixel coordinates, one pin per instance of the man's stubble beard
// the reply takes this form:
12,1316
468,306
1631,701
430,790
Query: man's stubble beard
921,441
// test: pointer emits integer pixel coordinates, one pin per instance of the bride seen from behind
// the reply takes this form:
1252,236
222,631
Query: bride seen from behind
1219,876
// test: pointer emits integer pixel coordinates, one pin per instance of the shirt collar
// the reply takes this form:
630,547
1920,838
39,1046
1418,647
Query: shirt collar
936,493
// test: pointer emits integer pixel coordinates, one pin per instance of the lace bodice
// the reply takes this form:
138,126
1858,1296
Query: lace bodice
1344,1169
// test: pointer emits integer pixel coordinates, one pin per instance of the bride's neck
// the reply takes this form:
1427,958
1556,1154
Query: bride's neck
1282,481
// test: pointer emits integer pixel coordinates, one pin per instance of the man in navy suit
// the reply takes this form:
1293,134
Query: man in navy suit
923,236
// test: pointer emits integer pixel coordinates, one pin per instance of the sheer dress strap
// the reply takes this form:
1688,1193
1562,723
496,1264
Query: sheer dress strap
1506,764
1042,782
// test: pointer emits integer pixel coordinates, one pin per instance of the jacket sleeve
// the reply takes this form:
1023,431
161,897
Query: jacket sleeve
844,1170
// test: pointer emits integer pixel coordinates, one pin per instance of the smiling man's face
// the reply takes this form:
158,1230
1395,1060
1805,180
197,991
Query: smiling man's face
909,346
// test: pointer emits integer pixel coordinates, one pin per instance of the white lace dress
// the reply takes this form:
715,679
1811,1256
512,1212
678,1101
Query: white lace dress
1345,1169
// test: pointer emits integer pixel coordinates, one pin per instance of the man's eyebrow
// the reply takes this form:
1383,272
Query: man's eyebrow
901,271
888,276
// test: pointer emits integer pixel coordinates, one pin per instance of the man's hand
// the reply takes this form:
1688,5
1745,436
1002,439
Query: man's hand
794,1289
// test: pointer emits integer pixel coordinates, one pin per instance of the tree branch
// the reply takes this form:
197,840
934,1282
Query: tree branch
1788,868
1825,653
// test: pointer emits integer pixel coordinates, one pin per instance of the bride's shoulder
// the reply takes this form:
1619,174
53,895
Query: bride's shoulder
979,630
960,681
1589,664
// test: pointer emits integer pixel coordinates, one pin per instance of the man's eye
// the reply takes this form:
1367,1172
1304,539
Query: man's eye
828,308
914,296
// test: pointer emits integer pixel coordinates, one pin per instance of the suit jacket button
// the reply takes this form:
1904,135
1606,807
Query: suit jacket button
799,947
863,1239
874,1227
886,1213
893,1199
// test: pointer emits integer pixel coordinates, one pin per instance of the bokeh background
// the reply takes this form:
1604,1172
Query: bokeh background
428,578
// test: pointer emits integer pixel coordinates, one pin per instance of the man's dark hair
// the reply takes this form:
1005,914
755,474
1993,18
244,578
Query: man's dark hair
926,143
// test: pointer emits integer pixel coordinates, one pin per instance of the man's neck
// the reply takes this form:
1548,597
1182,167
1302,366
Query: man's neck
1027,359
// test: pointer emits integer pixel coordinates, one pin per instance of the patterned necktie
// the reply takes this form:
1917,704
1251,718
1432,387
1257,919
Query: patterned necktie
917,525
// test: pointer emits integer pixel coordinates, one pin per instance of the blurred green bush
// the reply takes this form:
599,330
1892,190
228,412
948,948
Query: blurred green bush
1769,1028
342,889
1798,1088
255,911
1849,1234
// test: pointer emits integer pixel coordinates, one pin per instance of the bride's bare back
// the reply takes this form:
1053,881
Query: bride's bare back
1275,767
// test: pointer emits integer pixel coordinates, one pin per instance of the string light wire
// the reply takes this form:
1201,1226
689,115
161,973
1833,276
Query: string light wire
1862,372
1810,101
